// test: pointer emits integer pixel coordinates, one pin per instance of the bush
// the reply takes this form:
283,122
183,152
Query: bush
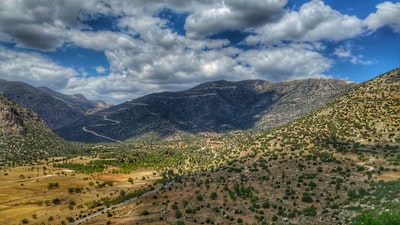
266,205
51,185
385,218
178,214
56,201
145,213
310,211
307,198
214,196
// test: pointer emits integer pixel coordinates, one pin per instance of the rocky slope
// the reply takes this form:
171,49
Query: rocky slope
210,107
56,109
324,168
24,137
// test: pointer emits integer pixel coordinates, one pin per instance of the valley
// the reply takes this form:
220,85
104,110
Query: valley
62,194
114,122
339,164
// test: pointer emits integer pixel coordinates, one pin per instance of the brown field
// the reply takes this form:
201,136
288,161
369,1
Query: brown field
24,192
390,176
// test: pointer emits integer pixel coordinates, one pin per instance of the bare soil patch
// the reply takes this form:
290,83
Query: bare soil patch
389,176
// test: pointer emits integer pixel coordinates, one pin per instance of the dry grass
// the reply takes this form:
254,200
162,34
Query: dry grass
24,193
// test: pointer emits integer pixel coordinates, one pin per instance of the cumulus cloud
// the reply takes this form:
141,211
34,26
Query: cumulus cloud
315,21
146,55
42,24
33,69
102,40
233,14
387,14
285,63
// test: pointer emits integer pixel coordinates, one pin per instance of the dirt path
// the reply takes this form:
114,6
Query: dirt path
91,216
28,179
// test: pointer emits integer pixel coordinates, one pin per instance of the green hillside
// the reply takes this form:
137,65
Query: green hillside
326,168
24,137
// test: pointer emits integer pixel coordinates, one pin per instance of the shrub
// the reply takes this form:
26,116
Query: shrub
51,185
145,213
307,198
214,196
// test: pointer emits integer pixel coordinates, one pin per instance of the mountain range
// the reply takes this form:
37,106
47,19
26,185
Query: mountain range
326,166
218,106
56,109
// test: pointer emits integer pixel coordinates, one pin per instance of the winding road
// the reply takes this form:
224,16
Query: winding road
114,122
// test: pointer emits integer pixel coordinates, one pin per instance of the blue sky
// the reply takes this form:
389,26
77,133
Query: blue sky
119,50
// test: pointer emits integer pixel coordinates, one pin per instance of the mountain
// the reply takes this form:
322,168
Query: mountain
24,137
324,168
209,107
56,109
77,101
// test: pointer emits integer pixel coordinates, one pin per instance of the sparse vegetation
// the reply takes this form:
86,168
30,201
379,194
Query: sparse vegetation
337,165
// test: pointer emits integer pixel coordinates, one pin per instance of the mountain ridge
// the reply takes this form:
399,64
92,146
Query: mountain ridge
211,107
24,136
55,108
324,168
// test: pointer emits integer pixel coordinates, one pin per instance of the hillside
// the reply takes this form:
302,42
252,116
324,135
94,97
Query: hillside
337,165
218,106
55,109
24,137
324,168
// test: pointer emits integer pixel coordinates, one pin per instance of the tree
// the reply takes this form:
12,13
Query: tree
214,196
266,205
180,222
178,214
307,198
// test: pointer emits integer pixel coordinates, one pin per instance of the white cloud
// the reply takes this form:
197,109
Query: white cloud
146,56
33,69
100,69
285,63
42,24
387,14
102,40
234,14
315,21
342,53
345,52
